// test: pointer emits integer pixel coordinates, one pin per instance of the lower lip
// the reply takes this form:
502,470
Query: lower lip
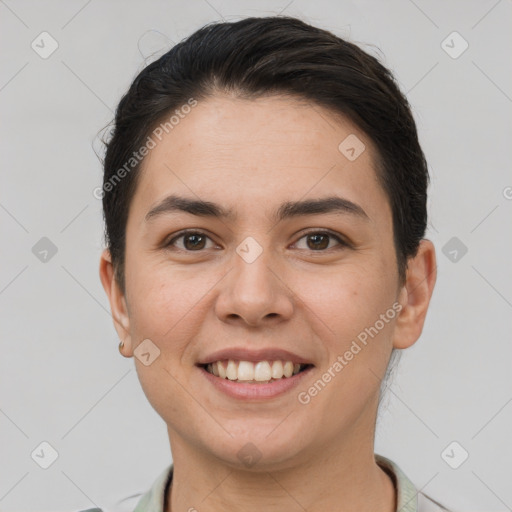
246,391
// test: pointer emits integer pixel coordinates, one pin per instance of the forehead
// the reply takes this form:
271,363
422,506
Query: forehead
260,153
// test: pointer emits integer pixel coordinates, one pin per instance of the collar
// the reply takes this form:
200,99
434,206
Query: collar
407,495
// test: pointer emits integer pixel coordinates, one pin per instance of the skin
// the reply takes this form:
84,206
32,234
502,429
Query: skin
251,156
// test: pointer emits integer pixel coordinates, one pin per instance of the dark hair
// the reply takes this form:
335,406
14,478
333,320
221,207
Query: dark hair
264,56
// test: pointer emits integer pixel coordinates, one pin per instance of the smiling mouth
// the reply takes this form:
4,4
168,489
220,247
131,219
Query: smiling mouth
248,372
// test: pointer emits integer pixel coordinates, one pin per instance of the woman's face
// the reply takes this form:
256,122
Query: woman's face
269,282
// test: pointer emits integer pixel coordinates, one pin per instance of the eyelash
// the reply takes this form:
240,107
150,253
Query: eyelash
342,243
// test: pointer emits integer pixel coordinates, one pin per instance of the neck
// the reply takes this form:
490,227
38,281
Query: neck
345,478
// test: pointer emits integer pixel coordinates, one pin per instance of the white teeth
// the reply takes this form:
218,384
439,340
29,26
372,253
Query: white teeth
247,371
288,369
232,370
277,370
220,369
262,371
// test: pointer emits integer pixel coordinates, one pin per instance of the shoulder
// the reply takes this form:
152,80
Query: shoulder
408,496
150,500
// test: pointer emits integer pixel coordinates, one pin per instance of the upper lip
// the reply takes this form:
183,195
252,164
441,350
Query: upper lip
244,354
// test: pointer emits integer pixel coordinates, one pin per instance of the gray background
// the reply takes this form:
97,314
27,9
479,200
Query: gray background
62,378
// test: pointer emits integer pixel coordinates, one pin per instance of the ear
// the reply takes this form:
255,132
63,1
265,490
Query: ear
415,295
117,301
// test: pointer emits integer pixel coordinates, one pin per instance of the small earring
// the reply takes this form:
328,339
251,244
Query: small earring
121,345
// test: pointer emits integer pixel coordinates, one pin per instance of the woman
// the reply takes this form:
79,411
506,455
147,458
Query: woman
264,198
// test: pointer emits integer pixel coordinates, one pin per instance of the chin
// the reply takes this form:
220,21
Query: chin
266,448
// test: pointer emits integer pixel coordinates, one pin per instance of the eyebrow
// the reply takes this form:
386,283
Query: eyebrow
289,209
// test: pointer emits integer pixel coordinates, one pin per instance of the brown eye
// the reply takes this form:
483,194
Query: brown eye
195,241
192,241
319,240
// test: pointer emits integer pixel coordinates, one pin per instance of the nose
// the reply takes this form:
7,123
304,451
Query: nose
255,293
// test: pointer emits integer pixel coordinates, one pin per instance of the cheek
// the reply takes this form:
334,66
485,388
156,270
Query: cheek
343,309
167,304
352,312
346,300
